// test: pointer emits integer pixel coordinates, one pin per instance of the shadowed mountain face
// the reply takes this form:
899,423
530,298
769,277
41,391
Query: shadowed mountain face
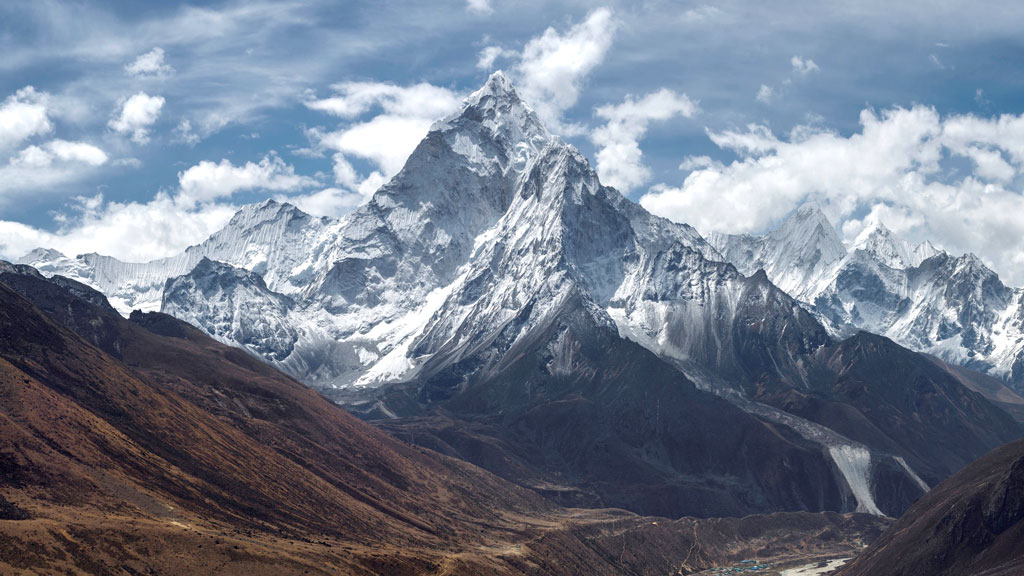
594,420
182,455
973,523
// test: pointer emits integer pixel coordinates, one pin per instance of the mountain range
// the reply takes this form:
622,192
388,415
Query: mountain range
495,302
953,307
142,446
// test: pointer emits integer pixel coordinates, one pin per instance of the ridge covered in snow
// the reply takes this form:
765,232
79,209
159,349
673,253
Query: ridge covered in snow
277,241
953,307
891,250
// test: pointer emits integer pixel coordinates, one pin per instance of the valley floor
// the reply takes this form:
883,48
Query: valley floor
84,541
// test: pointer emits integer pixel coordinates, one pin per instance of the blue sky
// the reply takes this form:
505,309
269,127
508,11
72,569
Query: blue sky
136,129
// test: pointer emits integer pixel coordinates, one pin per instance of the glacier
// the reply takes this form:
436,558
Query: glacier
855,464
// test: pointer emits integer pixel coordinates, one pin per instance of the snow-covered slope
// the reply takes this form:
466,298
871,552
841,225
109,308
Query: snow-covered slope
953,307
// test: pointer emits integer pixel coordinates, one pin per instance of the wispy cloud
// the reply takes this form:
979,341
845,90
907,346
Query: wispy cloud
480,7
491,54
803,67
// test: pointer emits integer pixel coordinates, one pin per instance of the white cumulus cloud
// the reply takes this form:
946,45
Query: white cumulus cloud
353,99
619,158
46,167
59,150
131,231
207,181
149,64
137,114
553,66
384,124
333,202
23,115
904,166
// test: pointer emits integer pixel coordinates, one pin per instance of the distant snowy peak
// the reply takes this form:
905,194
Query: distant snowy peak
234,306
892,250
808,238
808,226
273,239
803,254
795,255
41,256
953,307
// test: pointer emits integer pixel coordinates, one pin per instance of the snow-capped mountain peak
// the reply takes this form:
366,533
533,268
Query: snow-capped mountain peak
497,105
41,255
494,243
890,249
794,255
495,130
